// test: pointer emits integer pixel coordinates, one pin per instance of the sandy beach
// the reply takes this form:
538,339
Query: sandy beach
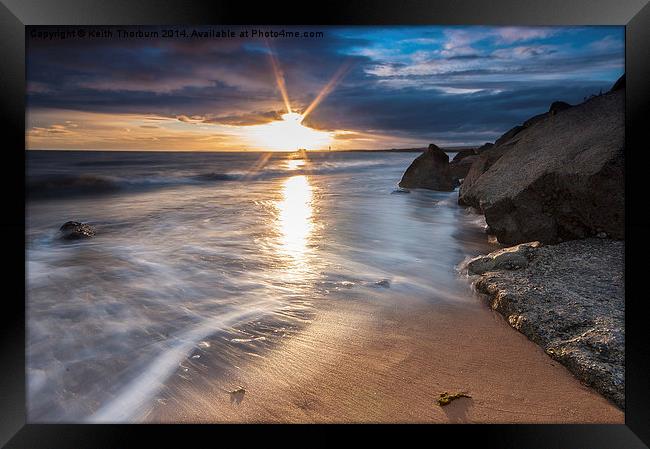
381,362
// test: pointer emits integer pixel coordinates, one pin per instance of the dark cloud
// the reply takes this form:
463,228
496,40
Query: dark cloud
255,118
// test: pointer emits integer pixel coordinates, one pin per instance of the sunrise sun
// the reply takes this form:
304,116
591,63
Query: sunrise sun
289,134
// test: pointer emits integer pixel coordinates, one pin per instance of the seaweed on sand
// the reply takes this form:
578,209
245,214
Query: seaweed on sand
446,398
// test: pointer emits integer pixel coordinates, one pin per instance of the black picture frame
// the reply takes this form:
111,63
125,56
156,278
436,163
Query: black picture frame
16,14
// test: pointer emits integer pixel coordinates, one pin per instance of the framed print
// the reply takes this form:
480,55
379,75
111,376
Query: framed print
413,213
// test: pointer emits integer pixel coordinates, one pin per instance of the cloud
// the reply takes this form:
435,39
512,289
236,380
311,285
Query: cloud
524,52
254,118
509,35
608,43
405,84
193,119
66,128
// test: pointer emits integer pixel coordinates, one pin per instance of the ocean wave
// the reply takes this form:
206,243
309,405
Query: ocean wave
112,163
65,186
215,177
71,185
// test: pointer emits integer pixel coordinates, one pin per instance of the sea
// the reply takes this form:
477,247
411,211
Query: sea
237,249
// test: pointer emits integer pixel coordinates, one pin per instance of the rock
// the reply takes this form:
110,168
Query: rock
384,283
485,146
486,159
494,151
509,135
74,230
558,106
512,258
570,300
430,170
619,84
459,169
462,154
537,118
560,179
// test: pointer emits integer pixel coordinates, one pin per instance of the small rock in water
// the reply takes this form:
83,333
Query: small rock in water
74,230
384,283
400,190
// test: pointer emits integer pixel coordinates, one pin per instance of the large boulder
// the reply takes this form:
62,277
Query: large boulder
430,170
491,152
560,179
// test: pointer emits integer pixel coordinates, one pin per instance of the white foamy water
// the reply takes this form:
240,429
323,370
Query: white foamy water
236,249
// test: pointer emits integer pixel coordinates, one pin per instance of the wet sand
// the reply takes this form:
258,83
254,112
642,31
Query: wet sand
378,362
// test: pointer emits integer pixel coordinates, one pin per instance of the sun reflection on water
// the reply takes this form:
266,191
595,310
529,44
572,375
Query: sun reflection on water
295,164
295,218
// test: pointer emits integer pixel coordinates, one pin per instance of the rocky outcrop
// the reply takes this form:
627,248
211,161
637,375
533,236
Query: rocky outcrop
430,170
74,230
558,178
569,299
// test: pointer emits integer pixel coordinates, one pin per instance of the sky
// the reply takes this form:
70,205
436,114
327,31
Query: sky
376,87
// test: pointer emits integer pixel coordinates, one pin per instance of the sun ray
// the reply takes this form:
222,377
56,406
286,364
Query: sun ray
338,76
289,134
279,78
257,167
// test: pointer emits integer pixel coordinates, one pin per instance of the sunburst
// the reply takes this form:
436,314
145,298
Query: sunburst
290,133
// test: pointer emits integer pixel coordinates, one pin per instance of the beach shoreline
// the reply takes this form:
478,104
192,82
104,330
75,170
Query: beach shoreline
388,362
